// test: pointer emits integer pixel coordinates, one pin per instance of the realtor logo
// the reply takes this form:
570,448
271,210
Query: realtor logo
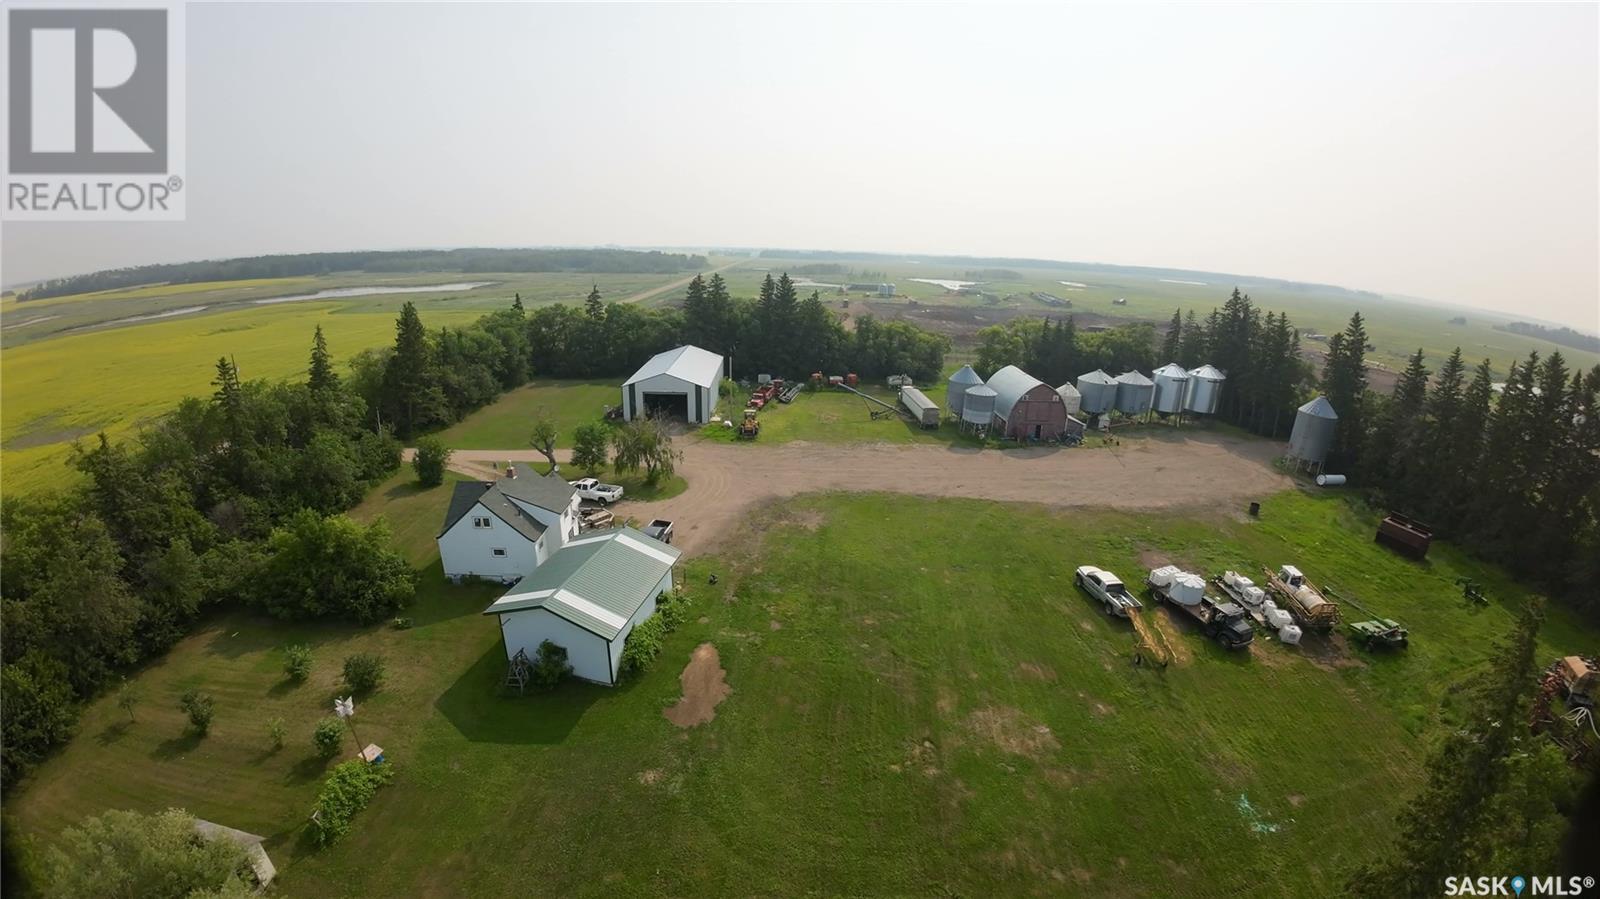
94,95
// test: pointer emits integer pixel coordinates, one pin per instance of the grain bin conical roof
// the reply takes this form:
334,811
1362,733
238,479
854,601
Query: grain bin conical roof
1320,408
956,390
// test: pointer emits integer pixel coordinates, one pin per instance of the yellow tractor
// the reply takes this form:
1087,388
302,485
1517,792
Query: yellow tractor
750,427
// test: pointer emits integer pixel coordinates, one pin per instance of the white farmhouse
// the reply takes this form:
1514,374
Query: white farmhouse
504,530
681,383
587,599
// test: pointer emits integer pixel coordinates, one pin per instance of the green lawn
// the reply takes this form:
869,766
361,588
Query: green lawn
912,712
507,422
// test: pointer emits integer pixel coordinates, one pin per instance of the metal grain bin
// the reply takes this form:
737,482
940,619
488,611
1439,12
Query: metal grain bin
1172,385
1205,390
956,391
1134,393
977,407
1314,424
1070,398
1099,392
920,407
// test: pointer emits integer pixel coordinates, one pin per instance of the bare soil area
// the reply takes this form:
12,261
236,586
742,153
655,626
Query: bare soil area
705,685
726,481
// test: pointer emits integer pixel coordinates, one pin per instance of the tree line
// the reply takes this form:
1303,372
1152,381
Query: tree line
301,264
1513,473
231,499
776,333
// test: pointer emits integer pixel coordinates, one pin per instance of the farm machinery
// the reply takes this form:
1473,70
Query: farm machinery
1308,606
1575,680
1225,622
1375,632
750,427
766,393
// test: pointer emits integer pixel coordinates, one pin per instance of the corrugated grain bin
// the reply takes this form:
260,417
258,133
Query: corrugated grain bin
955,392
1172,383
920,407
1070,398
1314,424
1098,390
1134,393
1205,390
978,407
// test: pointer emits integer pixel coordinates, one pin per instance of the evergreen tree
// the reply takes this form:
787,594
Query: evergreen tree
1447,829
1193,345
516,302
1344,380
1396,430
410,398
1171,344
593,308
322,376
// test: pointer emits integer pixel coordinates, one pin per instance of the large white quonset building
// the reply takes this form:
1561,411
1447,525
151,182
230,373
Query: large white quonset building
679,383
503,530
587,599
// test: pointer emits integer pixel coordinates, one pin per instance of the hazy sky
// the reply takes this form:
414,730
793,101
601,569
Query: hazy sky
1449,152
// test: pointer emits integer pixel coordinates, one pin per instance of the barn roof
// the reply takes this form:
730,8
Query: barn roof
1009,384
598,581
689,363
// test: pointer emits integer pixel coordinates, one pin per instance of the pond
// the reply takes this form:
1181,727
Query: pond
339,292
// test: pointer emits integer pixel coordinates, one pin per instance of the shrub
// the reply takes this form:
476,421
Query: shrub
590,446
276,733
327,737
297,662
122,853
363,672
550,666
319,566
346,791
430,461
644,642
200,708
403,624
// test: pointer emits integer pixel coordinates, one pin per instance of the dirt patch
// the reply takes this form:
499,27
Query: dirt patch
1012,731
705,685
1330,652
1031,671
775,624
1152,558
1101,710
650,777
1173,630
1296,800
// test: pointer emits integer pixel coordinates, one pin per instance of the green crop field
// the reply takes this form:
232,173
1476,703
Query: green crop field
60,387
913,711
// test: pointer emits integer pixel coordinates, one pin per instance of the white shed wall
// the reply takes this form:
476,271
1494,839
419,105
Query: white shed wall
668,384
589,655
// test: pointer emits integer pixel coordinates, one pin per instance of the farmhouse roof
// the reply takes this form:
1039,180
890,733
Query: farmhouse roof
598,581
689,363
1009,384
545,491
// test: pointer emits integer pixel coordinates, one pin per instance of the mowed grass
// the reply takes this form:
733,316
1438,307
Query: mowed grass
921,704
507,423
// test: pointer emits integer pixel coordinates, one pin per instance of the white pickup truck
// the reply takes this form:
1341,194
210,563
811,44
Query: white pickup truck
1108,588
591,489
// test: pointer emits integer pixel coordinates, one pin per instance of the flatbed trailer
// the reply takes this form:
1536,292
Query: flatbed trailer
1227,623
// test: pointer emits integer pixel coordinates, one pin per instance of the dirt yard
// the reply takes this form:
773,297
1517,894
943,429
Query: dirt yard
728,480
